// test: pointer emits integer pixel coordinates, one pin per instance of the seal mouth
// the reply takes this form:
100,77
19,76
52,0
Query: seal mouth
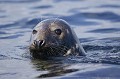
51,51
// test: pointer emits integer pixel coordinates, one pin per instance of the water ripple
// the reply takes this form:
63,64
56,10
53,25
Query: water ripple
42,7
109,6
11,36
96,23
18,1
106,30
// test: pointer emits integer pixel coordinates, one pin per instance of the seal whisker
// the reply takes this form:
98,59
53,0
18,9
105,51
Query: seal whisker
55,20
61,50
67,49
55,50
52,51
41,18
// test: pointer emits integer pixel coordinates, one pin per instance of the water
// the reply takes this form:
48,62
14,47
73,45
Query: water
96,23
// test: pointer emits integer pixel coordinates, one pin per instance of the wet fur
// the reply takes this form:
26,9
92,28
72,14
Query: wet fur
67,44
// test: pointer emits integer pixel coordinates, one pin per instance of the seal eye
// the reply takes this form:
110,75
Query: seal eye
34,31
58,31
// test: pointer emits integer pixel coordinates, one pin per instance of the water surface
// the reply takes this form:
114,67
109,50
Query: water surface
96,23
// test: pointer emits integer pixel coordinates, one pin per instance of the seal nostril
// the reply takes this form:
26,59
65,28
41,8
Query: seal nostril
35,42
41,42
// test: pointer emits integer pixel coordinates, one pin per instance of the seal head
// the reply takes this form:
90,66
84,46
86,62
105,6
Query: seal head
54,37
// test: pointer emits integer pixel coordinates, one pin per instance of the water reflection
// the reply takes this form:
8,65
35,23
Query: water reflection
53,68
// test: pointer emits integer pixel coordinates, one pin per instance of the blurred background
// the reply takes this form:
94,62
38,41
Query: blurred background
96,23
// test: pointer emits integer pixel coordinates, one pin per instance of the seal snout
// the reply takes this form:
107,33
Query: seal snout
39,43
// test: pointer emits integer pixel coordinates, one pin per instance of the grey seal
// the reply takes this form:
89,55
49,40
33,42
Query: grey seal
54,38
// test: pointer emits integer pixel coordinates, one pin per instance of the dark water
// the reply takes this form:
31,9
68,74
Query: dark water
96,23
